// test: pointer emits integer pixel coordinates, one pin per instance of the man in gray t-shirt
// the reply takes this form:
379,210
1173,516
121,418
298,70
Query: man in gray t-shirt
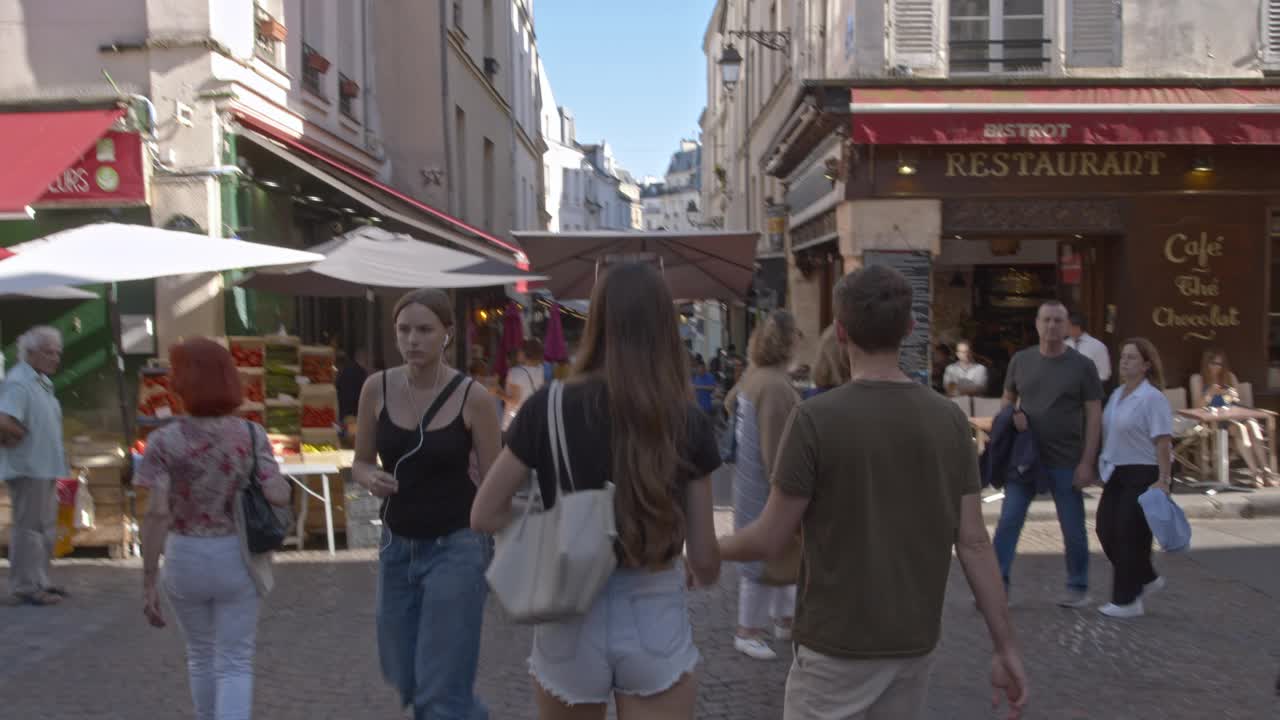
1059,398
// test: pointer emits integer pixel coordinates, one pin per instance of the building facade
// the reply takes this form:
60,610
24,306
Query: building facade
280,121
1005,153
674,203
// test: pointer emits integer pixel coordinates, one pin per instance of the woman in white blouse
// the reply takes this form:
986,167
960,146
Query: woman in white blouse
1137,454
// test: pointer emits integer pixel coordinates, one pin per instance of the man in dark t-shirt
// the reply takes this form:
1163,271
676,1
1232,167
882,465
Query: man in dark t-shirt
1059,398
879,519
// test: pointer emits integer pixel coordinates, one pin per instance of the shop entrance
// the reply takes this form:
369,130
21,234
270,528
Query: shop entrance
987,291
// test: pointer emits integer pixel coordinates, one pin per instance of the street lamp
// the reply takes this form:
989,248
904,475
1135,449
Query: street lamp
730,67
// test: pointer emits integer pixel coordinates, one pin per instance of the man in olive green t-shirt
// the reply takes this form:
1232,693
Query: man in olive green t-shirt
880,476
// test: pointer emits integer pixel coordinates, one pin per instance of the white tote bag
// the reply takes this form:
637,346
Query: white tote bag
550,565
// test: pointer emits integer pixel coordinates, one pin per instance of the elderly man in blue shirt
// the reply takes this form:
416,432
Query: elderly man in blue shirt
31,461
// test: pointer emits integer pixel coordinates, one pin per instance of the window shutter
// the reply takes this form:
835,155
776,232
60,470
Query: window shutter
1271,35
1094,33
914,33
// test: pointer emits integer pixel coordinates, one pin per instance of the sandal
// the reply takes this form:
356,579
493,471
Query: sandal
38,599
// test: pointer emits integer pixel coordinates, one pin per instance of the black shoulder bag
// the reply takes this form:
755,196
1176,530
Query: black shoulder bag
264,527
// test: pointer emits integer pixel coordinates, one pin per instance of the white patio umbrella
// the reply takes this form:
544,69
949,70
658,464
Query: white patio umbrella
111,253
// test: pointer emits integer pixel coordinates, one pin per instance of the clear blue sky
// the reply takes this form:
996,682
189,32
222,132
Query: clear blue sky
632,72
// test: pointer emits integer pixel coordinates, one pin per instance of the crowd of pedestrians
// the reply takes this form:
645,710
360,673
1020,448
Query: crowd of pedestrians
842,549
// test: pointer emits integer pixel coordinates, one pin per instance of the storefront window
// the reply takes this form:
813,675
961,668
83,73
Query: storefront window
998,36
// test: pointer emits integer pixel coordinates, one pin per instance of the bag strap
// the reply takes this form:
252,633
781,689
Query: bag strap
253,453
556,434
439,401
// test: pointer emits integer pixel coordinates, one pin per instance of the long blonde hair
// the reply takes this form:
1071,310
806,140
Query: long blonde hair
632,341
831,366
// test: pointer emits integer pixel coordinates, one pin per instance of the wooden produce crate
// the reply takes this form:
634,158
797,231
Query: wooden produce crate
286,447
319,407
254,382
156,398
280,350
317,363
283,417
320,447
281,382
254,412
247,351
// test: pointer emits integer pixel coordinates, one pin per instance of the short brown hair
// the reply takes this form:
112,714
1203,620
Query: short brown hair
1147,350
437,301
205,377
774,341
532,349
874,307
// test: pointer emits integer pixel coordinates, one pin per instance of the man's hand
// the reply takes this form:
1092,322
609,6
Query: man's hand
1086,475
1010,679
1020,420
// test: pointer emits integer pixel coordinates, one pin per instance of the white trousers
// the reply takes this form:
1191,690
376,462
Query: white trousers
760,604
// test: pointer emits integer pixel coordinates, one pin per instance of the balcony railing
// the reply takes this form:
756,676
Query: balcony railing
1025,55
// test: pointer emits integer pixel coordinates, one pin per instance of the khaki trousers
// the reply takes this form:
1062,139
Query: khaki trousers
35,516
820,687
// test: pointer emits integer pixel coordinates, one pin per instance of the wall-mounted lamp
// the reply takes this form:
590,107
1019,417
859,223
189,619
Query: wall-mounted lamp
906,164
730,67
1202,163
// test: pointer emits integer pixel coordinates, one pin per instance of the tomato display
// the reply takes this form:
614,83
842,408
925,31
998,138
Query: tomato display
318,368
247,356
253,388
318,417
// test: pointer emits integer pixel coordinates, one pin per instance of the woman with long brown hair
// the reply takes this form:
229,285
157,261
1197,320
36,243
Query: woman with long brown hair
831,364
1220,389
1137,454
628,419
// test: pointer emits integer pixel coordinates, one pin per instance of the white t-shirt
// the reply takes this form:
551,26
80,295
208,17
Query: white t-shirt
529,379
1094,349
1130,426
973,377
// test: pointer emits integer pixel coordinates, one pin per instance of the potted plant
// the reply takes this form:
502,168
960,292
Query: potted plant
349,88
317,62
271,28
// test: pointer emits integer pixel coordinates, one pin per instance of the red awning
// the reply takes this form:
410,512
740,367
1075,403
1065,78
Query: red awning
36,146
295,144
1066,116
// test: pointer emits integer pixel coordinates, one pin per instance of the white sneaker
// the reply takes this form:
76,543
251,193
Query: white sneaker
1074,599
1132,610
782,632
754,648
1154,586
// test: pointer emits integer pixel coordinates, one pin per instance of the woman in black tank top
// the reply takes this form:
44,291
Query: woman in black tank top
426,423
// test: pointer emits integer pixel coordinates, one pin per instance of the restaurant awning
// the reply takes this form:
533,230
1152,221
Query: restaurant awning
1083,115
37,146
385,200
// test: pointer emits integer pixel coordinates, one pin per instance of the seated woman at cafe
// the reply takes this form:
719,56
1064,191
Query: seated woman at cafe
1248,438
965,376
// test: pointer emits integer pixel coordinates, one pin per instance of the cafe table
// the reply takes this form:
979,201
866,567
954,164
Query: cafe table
1220,419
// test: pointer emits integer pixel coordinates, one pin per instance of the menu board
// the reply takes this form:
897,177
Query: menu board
918,269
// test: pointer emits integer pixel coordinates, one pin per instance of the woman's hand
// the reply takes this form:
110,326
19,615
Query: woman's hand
382,484
1164,485
151,602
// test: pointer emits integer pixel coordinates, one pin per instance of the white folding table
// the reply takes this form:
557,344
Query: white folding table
298,473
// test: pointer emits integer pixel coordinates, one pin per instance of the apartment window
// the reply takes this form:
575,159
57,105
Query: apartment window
457,17
998,36
269,36
315,64
348,93
1273,318
460,149
488,28
489,189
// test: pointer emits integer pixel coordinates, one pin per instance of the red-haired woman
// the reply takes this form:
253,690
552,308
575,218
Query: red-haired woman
194,467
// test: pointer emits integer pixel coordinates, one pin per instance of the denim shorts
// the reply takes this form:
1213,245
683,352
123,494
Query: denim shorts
635,640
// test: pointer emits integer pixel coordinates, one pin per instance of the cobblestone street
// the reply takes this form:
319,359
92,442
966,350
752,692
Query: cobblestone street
1208,647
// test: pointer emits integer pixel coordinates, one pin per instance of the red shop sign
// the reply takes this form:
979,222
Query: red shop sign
109,173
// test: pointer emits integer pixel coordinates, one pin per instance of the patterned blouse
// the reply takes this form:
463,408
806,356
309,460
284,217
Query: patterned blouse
201,462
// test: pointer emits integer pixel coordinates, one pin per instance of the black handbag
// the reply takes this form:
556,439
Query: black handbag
264,528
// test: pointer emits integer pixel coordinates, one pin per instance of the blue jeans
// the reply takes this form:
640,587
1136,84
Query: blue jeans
1070,505
431,597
